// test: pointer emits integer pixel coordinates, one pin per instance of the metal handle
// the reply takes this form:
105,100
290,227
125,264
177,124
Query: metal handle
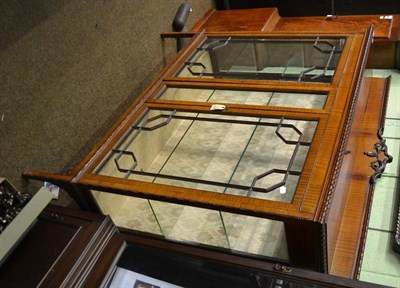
379,163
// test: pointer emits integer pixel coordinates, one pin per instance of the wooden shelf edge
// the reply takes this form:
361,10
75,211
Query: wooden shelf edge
349,247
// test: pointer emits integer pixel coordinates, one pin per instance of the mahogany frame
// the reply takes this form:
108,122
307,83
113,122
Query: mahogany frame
318,189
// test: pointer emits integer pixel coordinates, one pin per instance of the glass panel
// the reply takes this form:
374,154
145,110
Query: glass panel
249,156
235,232
254,235
265,98
296,59
190,224
128,212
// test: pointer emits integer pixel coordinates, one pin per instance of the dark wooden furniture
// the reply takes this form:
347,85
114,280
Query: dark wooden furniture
320,217
68,248
59,250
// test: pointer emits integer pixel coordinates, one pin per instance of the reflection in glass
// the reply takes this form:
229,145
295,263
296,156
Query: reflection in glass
301,59
264,98
176,222
247,156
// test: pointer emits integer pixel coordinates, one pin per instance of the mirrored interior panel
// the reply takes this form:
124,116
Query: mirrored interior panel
189,224
246,156
301,59
264,98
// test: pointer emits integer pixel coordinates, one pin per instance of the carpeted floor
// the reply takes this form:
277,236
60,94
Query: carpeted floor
68,69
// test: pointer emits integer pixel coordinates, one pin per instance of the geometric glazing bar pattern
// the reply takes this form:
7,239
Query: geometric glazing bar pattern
215,45
147,126
333,50
286,172
319,45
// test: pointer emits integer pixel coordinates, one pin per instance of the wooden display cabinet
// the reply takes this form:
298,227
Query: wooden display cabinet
253,143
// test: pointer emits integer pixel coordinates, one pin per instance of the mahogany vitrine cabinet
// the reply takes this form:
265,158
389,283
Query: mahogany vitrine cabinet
250,143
